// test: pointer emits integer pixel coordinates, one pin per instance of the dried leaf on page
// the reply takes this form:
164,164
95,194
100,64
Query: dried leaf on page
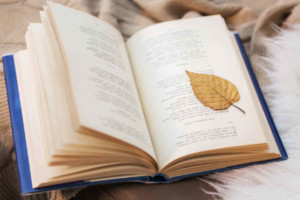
213,91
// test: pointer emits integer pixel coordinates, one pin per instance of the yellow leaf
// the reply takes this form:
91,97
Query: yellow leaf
213,91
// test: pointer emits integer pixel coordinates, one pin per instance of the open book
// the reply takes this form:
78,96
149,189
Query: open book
95,108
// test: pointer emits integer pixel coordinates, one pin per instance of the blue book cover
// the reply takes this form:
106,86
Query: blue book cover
20,140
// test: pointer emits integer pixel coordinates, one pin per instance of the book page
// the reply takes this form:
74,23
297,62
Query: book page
102,86
178,123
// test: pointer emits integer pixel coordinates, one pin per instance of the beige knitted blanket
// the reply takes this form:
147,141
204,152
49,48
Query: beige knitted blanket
252,19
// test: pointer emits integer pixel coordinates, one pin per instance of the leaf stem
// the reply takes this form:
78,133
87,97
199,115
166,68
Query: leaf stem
239,108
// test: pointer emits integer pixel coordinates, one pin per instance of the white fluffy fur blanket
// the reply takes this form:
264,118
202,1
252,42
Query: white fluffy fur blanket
277,180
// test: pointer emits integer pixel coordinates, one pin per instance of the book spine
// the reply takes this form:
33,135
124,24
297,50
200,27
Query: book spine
16,119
